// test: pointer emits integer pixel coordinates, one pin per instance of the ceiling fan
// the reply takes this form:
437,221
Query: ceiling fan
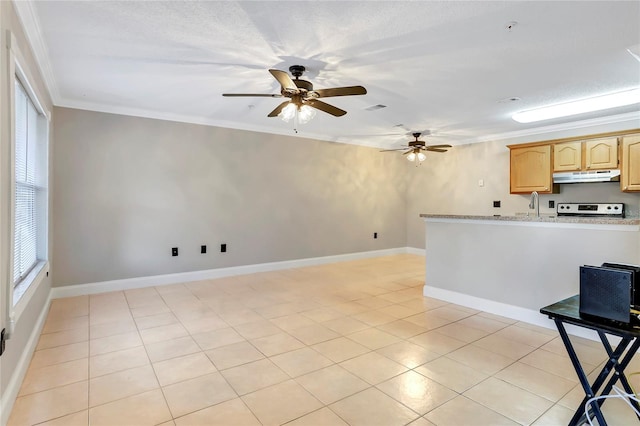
414,149
301,94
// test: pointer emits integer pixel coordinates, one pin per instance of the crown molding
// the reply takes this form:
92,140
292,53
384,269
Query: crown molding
633,118
205,121
31,25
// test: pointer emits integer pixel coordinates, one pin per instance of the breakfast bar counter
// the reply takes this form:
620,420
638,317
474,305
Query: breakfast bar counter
534,219
512,265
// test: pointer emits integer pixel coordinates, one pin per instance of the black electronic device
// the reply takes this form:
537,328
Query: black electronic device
606,293
635,281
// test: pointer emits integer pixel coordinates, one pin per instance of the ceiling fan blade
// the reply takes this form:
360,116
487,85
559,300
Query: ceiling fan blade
264,95
330,109
279,108
340,91
408,151
397,149
439,146
284,79
435,149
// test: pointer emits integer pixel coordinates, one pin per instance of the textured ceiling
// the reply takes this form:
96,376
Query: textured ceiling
445,66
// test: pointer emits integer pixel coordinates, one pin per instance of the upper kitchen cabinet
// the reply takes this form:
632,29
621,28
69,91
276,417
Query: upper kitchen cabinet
601,154
533,164
591,154
567,157
630,172
531,169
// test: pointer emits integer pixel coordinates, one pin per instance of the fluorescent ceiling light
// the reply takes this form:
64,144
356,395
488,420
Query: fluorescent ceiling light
597,103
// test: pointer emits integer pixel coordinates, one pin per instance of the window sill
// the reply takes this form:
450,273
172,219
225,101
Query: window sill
24,291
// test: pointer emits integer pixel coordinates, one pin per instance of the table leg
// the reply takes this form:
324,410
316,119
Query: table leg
619,368
584,381
612,363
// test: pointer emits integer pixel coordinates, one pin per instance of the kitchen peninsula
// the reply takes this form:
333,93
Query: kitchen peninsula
513,265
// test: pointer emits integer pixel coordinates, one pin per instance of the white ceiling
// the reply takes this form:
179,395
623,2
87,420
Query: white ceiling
446,66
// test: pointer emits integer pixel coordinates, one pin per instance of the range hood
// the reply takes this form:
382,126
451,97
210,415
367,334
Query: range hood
591,176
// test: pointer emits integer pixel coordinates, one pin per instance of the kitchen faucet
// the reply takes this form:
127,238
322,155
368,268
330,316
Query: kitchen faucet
534,203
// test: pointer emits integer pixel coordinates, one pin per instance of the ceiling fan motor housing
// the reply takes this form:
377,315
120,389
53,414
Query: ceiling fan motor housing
297,70
304,84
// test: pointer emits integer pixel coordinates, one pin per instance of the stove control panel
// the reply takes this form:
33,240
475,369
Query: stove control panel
590,209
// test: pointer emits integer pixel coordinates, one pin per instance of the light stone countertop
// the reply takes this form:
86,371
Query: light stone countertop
542,219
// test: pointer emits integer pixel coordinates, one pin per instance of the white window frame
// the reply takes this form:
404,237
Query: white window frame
19,296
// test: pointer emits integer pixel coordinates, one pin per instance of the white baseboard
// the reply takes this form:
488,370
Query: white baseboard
413,250
510,311
17,375
151,281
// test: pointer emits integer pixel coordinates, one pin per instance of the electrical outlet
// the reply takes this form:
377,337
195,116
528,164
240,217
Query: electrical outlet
203,249
174,251
552,204
375,235
223,248
496,204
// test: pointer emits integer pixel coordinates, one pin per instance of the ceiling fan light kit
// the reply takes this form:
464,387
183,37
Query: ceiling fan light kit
300,113
416,155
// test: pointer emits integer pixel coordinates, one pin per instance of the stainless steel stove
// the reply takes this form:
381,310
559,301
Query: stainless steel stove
591,209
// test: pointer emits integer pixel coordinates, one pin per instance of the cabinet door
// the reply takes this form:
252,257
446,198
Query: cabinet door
567,157
601,154
531,169
630,172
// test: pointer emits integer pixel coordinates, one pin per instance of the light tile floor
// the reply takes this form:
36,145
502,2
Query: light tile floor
350,343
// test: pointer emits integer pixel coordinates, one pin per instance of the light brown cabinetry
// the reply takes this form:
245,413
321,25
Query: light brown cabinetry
531,169
592,154
630,171
533,164
601,154
567,157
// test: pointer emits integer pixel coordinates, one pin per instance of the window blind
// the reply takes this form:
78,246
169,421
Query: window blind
30,184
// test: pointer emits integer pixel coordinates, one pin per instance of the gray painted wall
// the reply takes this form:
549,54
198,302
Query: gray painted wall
127,189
